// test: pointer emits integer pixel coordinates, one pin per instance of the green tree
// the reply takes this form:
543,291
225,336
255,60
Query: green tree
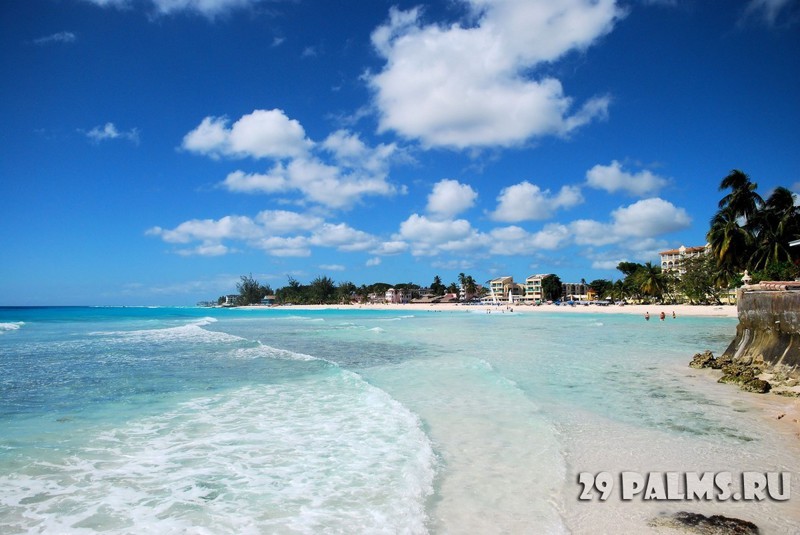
322,290
698,280
437,286
651,281
774,226
742,201
602,288
251,291
346,292
731,244
551,287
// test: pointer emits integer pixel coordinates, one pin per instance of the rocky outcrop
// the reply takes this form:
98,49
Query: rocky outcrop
765,354
743,372
705,525
768,332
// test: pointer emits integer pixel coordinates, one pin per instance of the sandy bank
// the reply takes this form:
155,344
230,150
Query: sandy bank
727,311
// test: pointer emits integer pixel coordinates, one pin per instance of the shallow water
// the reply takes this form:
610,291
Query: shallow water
124,420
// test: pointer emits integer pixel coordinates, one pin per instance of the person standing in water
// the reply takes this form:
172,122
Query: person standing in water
647,316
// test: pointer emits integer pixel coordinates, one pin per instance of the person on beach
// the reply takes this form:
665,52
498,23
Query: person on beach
673,314
662,316
647,316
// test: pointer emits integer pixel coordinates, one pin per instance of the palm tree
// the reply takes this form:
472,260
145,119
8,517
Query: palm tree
731,243
743,201
774,226
652,281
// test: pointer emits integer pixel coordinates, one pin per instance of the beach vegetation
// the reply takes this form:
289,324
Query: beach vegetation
251,291
698,280
749,233
551,288
437,287
602,288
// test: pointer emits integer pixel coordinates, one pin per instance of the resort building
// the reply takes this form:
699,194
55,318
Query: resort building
671,260
574,291
504,290
396,295
533,289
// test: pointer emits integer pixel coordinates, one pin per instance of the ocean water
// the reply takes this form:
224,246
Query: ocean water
187,420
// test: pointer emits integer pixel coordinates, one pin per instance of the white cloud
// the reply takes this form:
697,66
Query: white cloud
242,182
332,267
260,134
357,170
613,178
208,8
109,131
449,198
470,85
389,248
374,261
343,237
277,232
60,37
429,237
633,227
208,230
285,247
205,249
589,232
648,218
278,222
514,240
527,202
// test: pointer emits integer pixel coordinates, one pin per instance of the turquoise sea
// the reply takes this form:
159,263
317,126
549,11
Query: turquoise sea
206,421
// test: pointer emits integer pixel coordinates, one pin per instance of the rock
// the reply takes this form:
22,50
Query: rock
722,361
705,525
758,386
737,374
702,360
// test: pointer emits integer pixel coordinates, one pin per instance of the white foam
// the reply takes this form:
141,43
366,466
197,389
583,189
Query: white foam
192,331
11,326
328,453
376,330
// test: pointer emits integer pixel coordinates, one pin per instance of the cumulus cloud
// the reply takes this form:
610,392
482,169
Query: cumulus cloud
427,236
470,85
528,202
649,217
336,173
110,131
277,232
450,197
632,225
60,37
613,178
374,261
260,134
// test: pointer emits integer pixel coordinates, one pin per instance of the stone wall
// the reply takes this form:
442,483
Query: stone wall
769,326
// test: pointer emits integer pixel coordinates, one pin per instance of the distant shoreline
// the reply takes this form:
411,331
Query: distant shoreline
724,311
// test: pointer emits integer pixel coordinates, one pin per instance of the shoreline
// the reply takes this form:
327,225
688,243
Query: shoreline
716,311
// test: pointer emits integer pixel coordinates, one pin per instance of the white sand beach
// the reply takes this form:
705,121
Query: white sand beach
728,311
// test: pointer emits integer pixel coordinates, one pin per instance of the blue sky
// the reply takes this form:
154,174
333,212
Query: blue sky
155,150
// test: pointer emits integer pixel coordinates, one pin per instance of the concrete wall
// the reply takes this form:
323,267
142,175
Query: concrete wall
769,327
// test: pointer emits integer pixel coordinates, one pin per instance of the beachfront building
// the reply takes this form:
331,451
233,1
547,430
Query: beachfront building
574,291
396,295
533,294
504,290
673,259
